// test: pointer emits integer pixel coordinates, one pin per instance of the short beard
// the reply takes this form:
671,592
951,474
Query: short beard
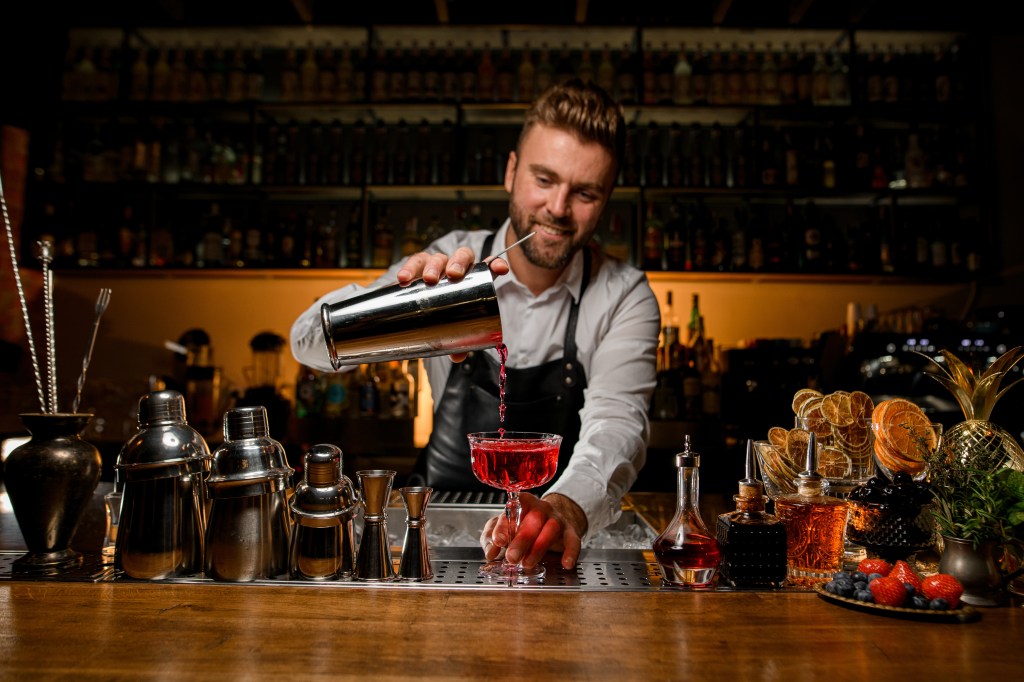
521,224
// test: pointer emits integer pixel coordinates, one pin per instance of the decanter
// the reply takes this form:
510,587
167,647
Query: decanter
752,541
815,525
686,551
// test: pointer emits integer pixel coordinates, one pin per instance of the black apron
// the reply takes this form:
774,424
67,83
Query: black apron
546,398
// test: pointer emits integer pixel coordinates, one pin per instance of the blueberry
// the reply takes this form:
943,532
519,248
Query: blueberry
841,575
844,589
864,595
830,587
874,576
877,482
860,584
859,575
901,477
938,604
919,602
909,587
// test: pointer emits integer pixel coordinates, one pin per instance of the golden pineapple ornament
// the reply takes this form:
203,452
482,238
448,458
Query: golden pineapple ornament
977,394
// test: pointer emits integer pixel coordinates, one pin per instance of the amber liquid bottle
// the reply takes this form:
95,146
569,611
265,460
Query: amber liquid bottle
752,541
815,526
686,551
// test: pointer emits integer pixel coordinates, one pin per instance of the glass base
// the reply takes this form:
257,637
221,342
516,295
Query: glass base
853,554
511,574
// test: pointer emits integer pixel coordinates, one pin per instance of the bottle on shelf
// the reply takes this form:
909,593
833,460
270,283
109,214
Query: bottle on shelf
787,76
526,76
255,76
344,77
687,553
337,398
682,74
735,79
565,69
486,75
606,70
718,86
769,80
585,70
665,75
309,393
178,84
804,75
198,84
699,78
545,71
821,93
327,75
431,88
139,90
216,80
449,70
626,74
752,542
653,248
414,64
752,77
815,525
290,81
469,76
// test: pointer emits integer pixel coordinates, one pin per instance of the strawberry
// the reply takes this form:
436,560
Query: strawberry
888,591
869,566
902,571
944,586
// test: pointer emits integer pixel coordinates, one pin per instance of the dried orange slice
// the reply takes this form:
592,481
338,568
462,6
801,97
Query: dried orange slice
813,419
835,407
801,397
777,437
861,405
834,463
796,447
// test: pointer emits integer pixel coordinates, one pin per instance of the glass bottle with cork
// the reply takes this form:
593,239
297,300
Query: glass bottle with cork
815,525
686,550
752,541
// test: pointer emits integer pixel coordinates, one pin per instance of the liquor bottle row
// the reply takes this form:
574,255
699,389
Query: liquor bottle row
683,235
377,390
677,74
689,372
922,241
171,151
243,234
293,153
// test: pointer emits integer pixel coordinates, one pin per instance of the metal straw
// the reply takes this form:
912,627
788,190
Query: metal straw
46,257
102,301
21,299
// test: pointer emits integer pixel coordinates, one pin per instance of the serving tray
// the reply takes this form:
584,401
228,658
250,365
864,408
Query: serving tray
962,614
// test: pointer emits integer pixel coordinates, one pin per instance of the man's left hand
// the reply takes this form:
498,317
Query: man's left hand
553,523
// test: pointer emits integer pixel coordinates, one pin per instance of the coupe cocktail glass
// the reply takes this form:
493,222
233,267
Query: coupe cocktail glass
513,461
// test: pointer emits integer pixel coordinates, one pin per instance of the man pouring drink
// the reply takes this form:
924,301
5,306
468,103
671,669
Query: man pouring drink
580,330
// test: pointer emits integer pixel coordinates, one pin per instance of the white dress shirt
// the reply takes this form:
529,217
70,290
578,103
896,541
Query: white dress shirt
616,336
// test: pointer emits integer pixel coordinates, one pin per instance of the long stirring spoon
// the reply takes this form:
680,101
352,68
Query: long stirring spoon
46,257
102,301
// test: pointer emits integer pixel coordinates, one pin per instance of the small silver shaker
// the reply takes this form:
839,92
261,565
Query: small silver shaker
161,472
323,506
415,563
249,530
373,560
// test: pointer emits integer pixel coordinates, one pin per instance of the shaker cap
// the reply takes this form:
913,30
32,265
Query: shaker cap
161,406
246,422
164,445
325,495
249,462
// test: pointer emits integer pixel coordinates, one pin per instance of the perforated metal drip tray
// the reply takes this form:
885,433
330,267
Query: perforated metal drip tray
453,568
617,559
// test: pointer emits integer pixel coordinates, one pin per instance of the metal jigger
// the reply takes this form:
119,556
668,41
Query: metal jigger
415,563
373,560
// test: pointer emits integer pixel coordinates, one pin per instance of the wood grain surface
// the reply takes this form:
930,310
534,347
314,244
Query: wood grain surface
215,631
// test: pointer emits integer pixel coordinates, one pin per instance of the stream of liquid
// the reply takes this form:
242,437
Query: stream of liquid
502,356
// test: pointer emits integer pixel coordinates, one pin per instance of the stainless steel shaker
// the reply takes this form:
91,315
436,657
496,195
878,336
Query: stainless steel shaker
162,469
324,507
415,321
249,529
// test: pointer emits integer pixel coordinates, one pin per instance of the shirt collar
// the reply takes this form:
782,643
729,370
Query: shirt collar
571,278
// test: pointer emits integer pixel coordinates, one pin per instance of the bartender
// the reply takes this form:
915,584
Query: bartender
581,329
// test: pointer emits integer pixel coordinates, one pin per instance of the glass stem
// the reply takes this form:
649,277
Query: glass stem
513,509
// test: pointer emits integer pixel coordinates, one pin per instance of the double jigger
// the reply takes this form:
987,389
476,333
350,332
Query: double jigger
373,560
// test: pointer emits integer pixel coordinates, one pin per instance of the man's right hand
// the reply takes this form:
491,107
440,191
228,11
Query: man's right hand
431,267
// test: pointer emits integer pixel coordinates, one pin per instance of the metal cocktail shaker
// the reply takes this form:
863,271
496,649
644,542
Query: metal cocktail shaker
249,528
324,507
162,468
415,321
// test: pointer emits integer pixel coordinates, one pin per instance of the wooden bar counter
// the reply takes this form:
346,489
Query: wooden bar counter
52,629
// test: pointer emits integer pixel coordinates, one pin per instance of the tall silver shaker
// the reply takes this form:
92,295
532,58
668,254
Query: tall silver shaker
249,529
414,321
324,507
162,470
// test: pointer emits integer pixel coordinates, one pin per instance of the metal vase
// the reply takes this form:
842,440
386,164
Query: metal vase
50,481
976,569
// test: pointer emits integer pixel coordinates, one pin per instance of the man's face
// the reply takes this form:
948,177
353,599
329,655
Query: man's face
559,186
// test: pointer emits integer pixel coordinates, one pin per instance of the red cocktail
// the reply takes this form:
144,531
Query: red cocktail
513,461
